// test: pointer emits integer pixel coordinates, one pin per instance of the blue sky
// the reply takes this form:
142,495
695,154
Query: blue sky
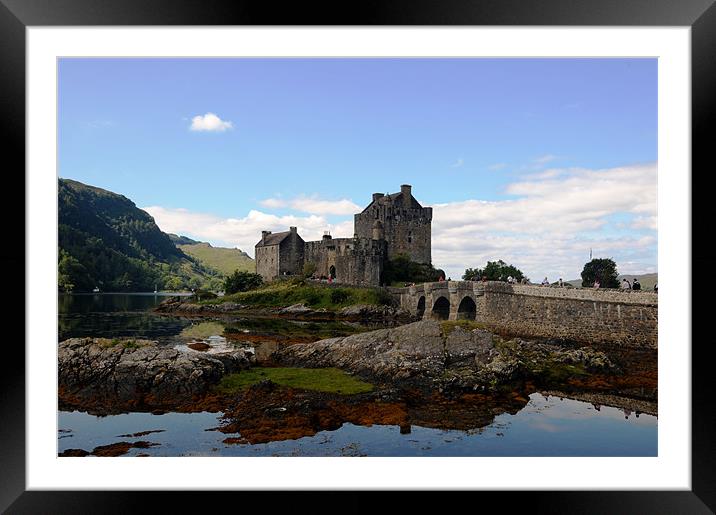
510,152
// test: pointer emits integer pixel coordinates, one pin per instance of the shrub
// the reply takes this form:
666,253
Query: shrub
242,281
338,296
309,268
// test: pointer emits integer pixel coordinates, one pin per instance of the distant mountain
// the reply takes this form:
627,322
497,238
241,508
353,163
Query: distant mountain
647,281
105,241
181,240
223,259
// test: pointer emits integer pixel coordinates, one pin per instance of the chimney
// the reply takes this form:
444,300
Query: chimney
376,196
293,230
326,235
406,189
263,236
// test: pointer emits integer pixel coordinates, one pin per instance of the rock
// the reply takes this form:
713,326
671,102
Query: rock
122,374
295,309
422,352
368,313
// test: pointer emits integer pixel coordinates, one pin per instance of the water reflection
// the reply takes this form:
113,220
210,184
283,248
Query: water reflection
544,427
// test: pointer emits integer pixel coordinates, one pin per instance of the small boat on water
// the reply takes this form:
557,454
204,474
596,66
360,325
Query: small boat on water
96,290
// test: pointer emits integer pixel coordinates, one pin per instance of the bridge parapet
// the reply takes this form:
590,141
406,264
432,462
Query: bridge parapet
627,318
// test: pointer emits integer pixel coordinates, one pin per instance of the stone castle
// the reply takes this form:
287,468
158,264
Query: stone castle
390,225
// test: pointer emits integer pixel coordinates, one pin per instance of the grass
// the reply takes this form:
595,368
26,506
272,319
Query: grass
224,260
203,330
449,326
127,343
330,380
287,293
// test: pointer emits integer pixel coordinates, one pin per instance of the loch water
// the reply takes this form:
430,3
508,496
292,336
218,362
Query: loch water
547,425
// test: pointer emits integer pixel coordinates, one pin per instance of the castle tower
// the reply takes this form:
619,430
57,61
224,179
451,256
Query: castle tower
406,225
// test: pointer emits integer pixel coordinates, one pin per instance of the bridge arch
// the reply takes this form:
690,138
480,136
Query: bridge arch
441,309
421,307
467,309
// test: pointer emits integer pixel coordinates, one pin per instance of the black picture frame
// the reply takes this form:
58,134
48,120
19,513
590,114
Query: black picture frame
17,15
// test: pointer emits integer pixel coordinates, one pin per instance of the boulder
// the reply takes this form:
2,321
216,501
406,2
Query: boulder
123,373
422,352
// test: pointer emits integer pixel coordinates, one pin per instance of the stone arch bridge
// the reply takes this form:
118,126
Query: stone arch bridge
628,318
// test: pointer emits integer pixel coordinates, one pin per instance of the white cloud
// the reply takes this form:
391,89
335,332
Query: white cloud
547,230
242,232
543,232
314,205
541,160
496,166
458,163
273,203
209,123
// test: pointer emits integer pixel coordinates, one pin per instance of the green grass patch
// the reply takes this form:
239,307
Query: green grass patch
287,293
202,330
449,326
330,380
127,343
560,372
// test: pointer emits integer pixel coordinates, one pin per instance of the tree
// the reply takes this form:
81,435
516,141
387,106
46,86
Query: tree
309,268
242,281
494,271
72,274
604,270
402,269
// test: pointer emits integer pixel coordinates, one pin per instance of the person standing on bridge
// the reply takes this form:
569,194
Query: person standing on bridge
636,285
625,284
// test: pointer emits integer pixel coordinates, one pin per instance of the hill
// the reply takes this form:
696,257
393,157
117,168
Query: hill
106,241
647,280
223,259
181,240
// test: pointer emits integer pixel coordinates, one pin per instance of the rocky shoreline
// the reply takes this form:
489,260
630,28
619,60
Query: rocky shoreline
445,356
356,313
106,376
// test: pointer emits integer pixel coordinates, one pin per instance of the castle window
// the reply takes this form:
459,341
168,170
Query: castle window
410,236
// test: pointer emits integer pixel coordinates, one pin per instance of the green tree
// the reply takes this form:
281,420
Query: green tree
402,269
604,270
494,271
71,273
242,281
309,268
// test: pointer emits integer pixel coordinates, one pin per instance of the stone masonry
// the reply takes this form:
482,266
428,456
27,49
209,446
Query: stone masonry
390,225
617,317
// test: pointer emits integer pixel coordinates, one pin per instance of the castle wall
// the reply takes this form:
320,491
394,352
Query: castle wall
357,261
406,226
291,255
267,262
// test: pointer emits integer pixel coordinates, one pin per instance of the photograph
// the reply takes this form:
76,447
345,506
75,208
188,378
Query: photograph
357,257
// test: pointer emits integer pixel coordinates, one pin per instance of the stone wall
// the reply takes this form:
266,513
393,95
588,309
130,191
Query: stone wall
357,261
291,249
403,223
267,262
628,318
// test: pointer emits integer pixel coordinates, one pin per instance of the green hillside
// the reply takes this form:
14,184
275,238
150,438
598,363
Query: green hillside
223,259
106,241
